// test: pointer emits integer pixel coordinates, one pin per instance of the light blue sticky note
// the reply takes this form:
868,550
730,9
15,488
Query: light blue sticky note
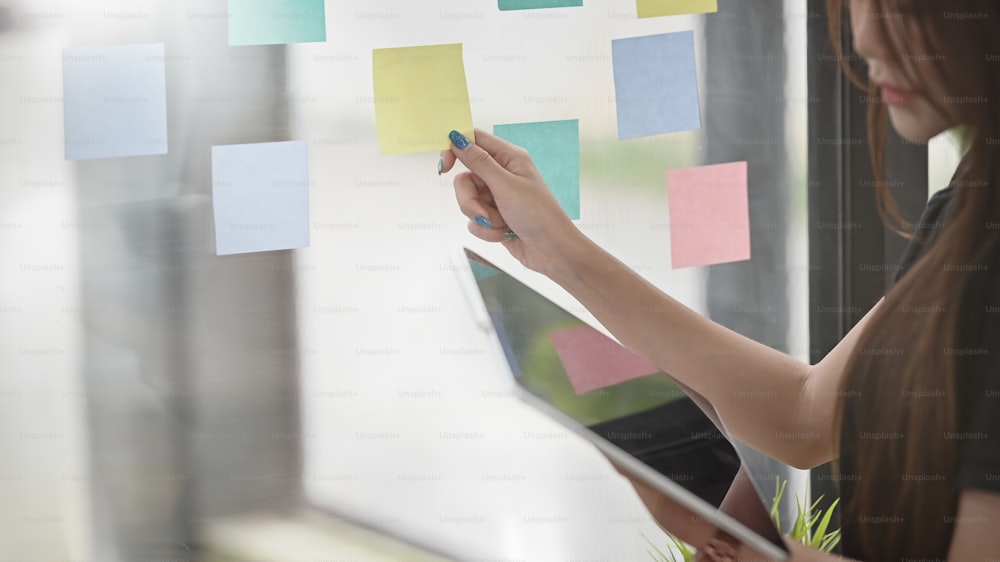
533,4
555,148
656,84
115,101
275,22
260,197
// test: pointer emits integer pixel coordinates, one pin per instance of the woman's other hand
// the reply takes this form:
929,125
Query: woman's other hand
670,515
710,543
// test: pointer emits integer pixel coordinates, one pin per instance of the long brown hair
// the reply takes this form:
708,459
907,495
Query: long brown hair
903,383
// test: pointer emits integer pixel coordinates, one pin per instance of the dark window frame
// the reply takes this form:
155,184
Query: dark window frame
847,238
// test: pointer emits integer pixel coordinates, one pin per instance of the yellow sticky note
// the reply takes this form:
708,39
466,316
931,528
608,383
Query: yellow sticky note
656,8
420,96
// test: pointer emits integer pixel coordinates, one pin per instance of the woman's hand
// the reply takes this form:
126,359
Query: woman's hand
507,201
710,543
670,515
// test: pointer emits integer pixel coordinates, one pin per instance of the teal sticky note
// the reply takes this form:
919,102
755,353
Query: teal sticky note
276,22
533,4
555,148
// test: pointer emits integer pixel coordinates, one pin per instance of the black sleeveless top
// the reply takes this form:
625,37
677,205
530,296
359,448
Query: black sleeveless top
978,390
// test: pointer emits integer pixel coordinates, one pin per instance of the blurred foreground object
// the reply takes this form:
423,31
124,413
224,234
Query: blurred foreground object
307,536
6,18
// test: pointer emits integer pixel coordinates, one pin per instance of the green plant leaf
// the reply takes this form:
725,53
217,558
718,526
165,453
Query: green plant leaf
802,529
687,554
830,542
815,503
799,527
662,557
686,551
779,491
812,517
820,534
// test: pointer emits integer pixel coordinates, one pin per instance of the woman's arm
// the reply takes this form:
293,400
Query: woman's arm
976,525
779,405
775,403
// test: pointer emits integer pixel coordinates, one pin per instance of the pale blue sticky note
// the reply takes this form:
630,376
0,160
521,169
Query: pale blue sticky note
656,84
115,101
260,197
555,148
275,22
533,4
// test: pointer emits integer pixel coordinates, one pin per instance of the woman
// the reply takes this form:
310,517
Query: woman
908,402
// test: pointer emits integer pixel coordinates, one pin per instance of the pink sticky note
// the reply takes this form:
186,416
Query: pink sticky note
593,360
709,214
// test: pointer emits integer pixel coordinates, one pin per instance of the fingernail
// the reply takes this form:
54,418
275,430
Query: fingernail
509,235
483,221
440,166
459,140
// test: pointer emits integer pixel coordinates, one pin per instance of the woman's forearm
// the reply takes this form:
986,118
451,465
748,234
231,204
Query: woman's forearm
757,391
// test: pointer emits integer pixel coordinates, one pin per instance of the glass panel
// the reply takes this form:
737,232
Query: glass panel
173,367
411,423
188,361
43,477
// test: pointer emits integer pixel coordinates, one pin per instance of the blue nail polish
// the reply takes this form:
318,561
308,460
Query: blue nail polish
483,221
459,140
510,235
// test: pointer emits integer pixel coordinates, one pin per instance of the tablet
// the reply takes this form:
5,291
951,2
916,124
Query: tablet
633,412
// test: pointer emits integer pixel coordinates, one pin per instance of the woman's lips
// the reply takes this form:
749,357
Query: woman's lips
896,96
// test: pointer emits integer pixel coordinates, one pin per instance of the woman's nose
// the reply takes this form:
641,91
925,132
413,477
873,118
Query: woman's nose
866,27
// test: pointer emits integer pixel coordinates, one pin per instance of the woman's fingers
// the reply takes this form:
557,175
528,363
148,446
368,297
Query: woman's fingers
446,162
485,195
488,157
476,202
513,158
484,163
487,234
474,199
509,156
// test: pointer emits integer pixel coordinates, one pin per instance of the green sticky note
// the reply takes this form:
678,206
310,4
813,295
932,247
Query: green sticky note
276,22
533,4
555,148
657,8
421,95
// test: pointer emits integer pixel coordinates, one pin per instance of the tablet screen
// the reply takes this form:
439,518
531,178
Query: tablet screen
556,356
561,360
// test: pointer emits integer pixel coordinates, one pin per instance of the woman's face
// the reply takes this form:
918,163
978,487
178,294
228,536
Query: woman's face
911,114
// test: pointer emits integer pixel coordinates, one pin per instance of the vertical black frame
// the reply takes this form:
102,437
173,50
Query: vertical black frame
853,256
